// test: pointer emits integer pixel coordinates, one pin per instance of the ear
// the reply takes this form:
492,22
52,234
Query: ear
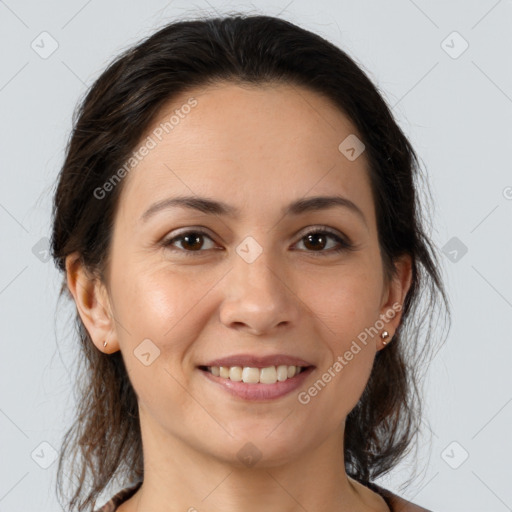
393,297
92,302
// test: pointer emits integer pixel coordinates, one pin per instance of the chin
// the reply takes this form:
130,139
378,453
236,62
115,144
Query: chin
260,446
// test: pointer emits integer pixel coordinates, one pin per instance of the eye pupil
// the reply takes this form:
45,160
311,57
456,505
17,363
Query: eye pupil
313,236
196,240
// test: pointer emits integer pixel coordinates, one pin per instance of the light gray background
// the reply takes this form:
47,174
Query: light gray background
457,113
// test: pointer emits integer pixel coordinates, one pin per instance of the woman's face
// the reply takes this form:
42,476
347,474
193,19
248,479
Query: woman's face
249,282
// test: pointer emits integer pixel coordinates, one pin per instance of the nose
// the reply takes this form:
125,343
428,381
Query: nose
259,298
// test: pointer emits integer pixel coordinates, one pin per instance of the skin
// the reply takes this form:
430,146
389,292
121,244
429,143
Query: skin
258,149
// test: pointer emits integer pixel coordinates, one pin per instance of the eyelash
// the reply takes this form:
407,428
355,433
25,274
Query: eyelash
344,244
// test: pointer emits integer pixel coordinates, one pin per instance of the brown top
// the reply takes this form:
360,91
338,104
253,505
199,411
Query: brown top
119,498
394,502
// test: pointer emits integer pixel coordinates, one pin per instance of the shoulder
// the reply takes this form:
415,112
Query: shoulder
116,500
397,503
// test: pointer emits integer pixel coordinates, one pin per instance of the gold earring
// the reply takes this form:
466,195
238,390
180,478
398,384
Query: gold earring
385,335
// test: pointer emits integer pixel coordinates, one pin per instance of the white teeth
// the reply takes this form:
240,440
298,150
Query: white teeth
267,375
250,375
235,373
282,372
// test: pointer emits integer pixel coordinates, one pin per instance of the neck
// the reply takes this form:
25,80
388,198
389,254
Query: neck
179,477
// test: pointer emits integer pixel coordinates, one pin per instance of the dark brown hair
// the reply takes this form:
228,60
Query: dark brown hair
105,440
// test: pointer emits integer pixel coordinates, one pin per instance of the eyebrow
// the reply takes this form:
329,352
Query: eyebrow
212,207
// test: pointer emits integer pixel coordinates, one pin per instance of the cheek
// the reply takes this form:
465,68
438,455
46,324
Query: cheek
162,314
347,308
346,301
161,305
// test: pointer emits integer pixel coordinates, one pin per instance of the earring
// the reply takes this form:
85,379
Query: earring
385,335
105,343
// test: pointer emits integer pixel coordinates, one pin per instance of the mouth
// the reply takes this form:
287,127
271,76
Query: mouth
260,381
254,375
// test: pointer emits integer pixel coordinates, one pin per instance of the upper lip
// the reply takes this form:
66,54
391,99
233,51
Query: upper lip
254,361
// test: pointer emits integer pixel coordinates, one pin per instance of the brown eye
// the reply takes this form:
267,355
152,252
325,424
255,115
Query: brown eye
317,241
191,241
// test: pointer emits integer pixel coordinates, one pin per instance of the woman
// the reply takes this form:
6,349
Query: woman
238,225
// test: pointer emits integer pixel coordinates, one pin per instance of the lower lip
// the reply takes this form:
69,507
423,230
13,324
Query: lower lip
260,392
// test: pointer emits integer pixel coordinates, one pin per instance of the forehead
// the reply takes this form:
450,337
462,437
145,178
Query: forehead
247,145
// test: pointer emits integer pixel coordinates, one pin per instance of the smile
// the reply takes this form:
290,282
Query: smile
250,375
257,384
